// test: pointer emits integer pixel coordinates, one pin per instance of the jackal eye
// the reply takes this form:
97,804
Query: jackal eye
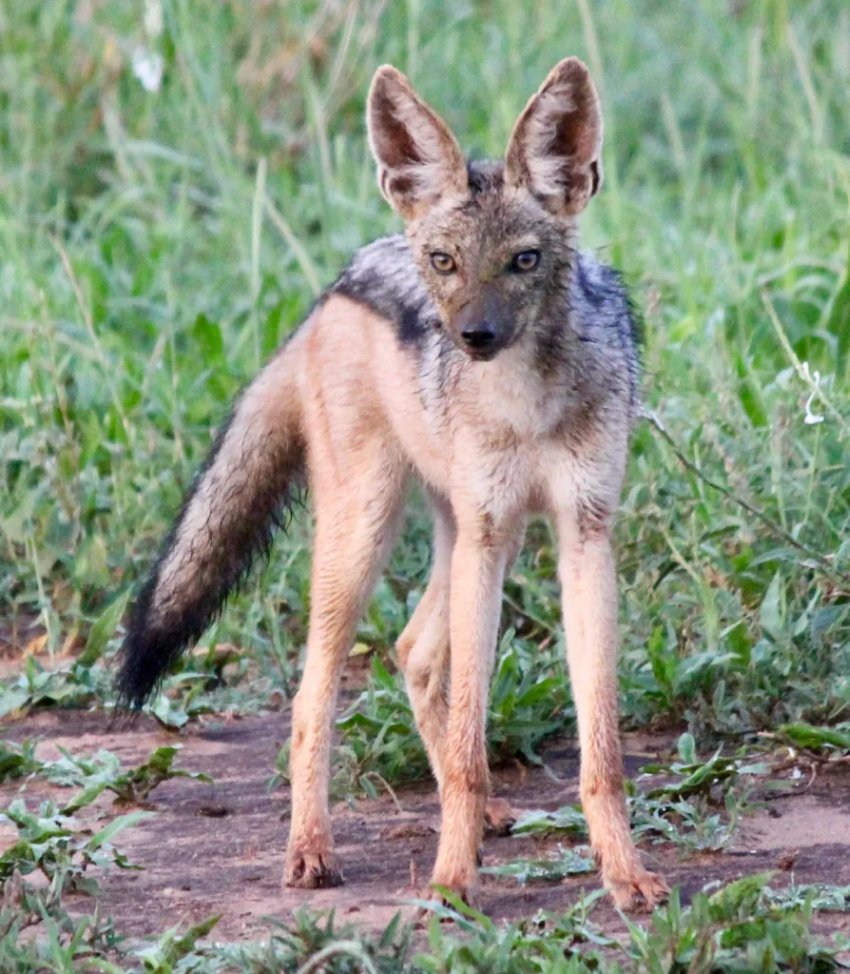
525,260
443,263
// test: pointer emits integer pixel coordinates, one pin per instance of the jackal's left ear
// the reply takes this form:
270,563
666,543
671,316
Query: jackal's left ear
419,160
554,151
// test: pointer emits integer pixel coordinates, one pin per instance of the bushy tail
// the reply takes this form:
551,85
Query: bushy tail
236,501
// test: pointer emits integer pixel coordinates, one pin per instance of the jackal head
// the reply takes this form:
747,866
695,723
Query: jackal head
493,241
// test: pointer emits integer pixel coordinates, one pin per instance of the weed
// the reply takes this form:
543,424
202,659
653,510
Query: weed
568,820
101,772
67,945
52,846
175,946
71,684
745,926
685,809
738,928
567,944
562,862
824,897
18,760
529,699
379,739
829,741
49,844
689,777
689,825
315,942
104,772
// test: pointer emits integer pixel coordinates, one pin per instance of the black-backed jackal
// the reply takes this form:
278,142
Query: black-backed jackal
484,355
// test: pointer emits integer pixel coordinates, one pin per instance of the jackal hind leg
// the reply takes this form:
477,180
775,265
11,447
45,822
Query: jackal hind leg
590,618
355,528
423,646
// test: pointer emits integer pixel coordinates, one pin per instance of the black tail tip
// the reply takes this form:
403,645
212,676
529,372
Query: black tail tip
131,690
143,663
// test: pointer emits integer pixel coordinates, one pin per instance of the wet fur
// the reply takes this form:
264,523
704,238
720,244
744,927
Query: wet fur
377,387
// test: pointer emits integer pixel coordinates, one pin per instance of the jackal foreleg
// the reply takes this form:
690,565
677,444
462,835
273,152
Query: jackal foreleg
423,652
590,617
477,572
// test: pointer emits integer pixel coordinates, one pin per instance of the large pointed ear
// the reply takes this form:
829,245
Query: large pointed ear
554,151
419,160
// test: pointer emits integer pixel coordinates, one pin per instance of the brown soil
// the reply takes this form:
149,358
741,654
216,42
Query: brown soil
219,848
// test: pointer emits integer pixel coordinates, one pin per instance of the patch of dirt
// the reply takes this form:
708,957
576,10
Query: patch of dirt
219,848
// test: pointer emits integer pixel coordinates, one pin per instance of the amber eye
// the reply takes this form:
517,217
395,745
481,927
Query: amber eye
525,260
443,263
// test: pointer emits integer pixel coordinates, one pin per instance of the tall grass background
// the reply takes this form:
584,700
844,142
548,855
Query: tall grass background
179,180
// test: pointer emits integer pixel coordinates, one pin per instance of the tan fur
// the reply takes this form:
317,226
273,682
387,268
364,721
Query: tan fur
531,453
483,357
363,436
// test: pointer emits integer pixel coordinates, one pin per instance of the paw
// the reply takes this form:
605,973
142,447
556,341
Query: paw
462,887
641,891
499,817
307,869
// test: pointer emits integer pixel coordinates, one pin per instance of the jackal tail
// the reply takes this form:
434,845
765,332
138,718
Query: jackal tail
238,498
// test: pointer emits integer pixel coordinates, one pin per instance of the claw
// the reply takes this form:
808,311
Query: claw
641,892
312,870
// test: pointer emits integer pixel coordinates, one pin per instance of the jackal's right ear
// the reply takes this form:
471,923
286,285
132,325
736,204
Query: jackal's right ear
554,151
419,160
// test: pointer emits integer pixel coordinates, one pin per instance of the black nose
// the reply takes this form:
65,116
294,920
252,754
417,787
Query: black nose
479,337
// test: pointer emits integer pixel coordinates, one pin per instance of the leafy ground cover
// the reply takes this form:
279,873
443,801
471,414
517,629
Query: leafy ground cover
210,848
180,179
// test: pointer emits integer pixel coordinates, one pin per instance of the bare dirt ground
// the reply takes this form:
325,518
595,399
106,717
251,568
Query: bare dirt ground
219,848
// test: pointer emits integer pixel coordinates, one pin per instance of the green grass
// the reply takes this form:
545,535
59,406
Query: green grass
157,246
743,927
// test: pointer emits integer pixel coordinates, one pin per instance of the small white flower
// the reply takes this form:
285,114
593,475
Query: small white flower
813,378
148,67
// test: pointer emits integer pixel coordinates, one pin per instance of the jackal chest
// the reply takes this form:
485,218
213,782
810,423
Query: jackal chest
499,438
508,474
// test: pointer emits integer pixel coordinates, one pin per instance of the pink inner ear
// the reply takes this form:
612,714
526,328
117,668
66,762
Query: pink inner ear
576,131
393,141
554,148
419,160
